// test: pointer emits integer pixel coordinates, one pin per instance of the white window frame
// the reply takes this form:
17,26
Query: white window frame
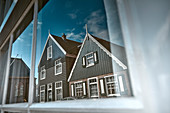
130,104
49,89
92,84
78,87
57,89
115,81
48,52
58,64
42,69
42,91
92,57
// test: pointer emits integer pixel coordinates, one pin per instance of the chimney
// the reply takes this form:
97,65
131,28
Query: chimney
64,36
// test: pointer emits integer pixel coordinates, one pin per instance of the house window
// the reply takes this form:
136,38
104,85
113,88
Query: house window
49,92
42,93
90,59
49,52
93,87
112,86
21,89
79,89
42,73
58,90
58,67
16,89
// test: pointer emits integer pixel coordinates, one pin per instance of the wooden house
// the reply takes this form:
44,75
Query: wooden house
100,70
54,67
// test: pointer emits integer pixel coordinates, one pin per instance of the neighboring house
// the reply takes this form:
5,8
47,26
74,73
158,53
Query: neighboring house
55,64
18,84
100,70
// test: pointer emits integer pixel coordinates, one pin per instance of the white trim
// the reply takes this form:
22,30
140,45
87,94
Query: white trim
56,65
48,52
102,86
121,84
59,88
108,53
58,44
42,91
93,83
84,88
48,89
72,90
50,36
103,48
116,94
76,59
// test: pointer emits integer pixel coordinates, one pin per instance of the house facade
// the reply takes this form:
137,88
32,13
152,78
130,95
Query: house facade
18,84
54,67
99,71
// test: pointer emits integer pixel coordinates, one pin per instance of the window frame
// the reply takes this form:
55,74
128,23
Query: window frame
48,89
48,52
92,57
17,89
61,87
21,91
42,70
106,83
58,64
100,105
75,88
42,91
92,84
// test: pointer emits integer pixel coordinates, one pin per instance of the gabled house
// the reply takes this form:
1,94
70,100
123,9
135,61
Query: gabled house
54,67
100,70
18,84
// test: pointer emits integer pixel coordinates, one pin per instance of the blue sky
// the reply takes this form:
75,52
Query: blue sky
63,16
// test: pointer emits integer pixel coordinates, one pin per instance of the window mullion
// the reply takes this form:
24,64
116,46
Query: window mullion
33,56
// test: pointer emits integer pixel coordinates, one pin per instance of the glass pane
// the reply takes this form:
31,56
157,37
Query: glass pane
20,65
81,32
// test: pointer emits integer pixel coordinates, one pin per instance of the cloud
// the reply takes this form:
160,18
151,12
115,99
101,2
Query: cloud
20,39
76,37
95,23
72,15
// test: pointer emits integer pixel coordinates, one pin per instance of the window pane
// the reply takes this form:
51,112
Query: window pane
81,49
20,65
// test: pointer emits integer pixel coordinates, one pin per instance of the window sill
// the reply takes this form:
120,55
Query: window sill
89,105
42,78
58,73
90,65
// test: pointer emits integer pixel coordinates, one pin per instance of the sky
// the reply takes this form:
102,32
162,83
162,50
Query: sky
63,16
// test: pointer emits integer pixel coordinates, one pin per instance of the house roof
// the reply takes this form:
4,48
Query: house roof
69,46
18,68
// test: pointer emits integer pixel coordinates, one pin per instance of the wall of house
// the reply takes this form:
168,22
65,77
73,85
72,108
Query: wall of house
103,67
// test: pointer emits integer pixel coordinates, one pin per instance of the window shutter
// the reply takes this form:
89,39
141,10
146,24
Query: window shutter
72,90
102,87
84,61
84,89
96,57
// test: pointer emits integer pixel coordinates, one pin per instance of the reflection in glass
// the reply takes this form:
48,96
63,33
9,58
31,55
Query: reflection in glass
75,54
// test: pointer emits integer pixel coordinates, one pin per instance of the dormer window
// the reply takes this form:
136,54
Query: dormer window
49,52
90,59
